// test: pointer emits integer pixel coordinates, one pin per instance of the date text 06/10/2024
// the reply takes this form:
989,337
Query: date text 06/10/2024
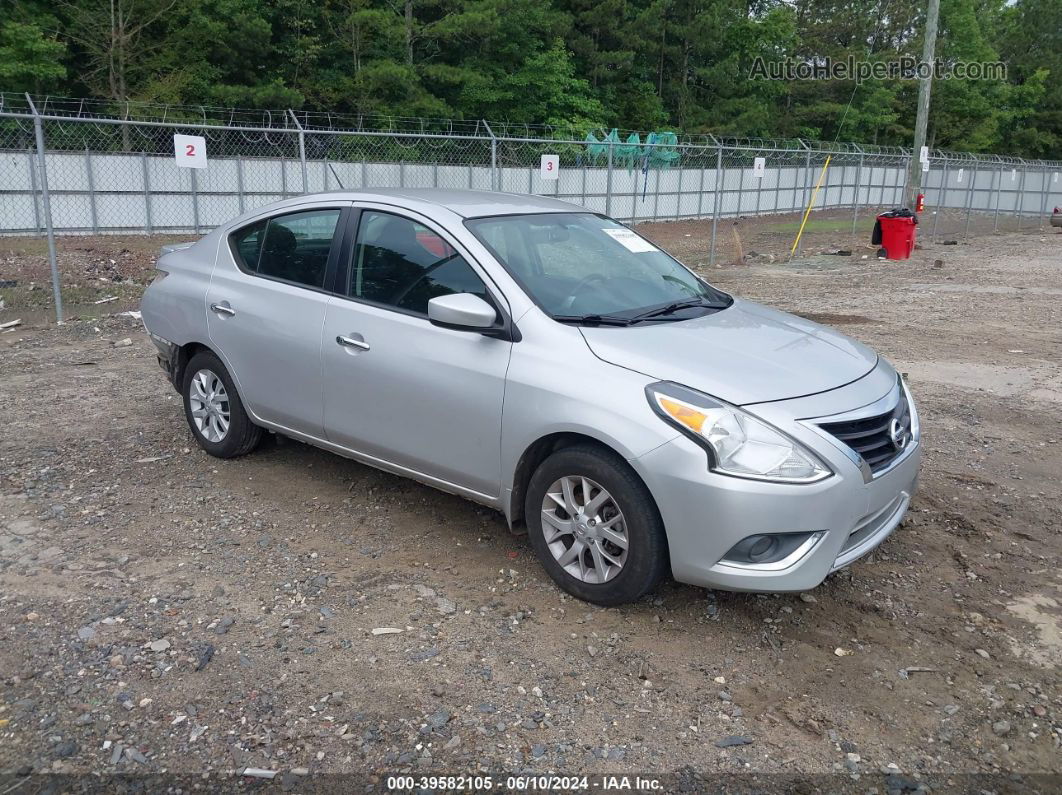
488,783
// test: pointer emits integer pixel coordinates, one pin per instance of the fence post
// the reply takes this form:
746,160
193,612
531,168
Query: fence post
700,196
1019,203
715,202
494,182
807,172
608,183
33,189
147,192
759,188
855,192
302,152
943,197
906,180
46,200
656,198
195,199
92,192
777,186
1043,202
999,189
969,203
239,182
678,201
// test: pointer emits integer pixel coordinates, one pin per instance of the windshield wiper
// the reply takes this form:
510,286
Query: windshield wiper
594,320
670,309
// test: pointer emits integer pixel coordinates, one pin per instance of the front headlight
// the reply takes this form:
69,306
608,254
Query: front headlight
738,443
916,425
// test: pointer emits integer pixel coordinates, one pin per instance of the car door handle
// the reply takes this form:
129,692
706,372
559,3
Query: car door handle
352,343
223,309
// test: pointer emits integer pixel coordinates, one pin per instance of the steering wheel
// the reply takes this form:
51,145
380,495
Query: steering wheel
584,283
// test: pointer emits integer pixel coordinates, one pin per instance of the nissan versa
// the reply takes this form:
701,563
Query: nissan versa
553,364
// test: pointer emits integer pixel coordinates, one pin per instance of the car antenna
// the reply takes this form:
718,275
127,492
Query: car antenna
334,174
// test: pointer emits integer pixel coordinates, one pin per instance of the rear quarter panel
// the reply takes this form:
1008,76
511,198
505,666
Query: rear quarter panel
174,305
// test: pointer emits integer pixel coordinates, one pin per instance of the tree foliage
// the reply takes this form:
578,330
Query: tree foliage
587,64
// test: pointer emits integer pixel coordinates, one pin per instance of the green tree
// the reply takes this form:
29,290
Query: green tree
1031,44
30,59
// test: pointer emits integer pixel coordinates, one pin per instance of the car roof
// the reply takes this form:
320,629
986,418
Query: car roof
465,203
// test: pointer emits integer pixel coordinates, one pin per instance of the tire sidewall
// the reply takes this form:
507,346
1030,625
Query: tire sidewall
238,419
647,553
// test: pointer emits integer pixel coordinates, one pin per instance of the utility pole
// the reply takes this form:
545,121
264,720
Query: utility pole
925,85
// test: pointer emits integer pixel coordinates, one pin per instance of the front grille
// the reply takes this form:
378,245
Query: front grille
872,437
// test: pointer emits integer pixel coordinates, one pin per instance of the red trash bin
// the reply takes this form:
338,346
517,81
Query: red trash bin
896,233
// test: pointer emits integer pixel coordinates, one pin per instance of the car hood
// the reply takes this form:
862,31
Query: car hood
746,353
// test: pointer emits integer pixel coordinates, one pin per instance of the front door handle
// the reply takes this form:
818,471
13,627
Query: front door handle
223,309
352,343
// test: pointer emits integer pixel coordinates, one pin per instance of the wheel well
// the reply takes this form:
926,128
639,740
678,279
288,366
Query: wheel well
534,455
184,355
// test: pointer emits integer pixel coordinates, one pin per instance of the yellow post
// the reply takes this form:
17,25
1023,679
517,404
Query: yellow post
811,203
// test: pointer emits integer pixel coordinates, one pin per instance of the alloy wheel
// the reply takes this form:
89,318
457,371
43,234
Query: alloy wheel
210,405
584,529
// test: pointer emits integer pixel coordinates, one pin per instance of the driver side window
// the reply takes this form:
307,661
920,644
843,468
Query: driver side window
402,264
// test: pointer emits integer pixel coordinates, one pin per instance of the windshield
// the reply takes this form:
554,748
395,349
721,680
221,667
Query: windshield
581,266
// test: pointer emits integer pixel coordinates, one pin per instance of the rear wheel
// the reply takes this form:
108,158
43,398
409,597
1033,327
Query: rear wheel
214,410
594,526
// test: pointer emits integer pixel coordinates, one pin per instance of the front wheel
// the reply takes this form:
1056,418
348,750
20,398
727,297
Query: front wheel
214,410
594,526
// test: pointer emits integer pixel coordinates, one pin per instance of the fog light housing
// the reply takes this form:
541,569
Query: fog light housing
771,551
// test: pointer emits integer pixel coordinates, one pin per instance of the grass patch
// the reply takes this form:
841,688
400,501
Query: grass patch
83,298
23,246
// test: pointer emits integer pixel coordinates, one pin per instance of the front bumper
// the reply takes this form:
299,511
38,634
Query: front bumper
706,514
1056,219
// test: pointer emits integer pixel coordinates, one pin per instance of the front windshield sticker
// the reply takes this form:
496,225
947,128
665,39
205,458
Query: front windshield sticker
630,241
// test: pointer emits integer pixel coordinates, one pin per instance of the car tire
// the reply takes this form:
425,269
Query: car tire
216,415
590,472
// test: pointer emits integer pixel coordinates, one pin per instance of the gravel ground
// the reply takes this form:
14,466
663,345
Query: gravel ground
162,612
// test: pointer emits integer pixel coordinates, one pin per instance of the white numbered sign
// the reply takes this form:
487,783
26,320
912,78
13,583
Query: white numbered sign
550,167
958,177
925,165
759,167
923,154
190,151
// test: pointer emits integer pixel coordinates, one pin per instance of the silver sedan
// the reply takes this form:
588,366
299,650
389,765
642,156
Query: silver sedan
553,364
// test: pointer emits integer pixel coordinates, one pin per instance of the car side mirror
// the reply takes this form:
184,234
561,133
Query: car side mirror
462,311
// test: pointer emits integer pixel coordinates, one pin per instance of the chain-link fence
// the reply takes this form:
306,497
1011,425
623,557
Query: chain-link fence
80,167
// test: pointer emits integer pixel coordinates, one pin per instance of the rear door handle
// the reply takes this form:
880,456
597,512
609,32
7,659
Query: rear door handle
349,342
223,309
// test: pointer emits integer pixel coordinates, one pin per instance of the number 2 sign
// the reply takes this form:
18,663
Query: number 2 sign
190,151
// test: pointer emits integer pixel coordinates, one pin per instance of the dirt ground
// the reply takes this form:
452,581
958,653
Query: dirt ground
162,612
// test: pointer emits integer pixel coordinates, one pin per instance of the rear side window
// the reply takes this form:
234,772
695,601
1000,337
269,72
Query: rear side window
247,244
293,247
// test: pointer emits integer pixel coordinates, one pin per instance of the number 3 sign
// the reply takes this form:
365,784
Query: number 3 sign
550,167
190,151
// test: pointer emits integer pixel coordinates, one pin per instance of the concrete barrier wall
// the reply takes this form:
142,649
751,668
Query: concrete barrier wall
139,193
